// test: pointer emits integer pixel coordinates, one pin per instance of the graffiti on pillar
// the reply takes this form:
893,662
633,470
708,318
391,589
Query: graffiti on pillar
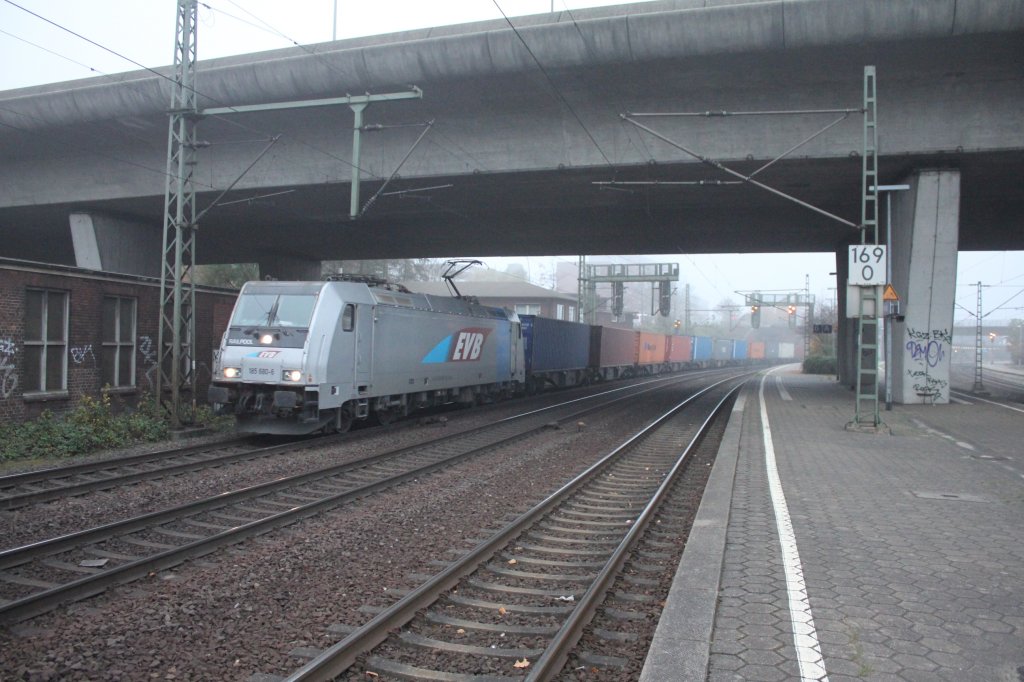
8,377
926,350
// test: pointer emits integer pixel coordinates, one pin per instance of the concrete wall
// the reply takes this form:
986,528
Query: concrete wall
111,244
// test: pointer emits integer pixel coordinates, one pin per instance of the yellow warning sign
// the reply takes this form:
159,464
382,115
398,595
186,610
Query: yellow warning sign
889,294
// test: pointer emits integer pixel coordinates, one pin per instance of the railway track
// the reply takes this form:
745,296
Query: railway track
34,487
38,577
516,605
45,485
1001,382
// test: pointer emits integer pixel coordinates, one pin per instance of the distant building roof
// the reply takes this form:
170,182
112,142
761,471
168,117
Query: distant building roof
514,290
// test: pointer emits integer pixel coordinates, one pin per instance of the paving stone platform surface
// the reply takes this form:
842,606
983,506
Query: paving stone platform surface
911,545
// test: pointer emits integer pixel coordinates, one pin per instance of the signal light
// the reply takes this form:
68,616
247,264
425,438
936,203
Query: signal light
755,317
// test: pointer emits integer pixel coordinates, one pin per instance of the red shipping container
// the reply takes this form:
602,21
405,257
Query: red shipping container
680,348
756,350
612,347
652,349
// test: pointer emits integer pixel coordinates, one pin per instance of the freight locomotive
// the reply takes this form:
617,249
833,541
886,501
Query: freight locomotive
299,357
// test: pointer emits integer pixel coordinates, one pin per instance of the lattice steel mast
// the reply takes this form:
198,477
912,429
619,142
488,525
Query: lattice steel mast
979,384
176,340
867,412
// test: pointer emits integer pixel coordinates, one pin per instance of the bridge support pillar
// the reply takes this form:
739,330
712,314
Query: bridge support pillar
925,237
289,268
111,244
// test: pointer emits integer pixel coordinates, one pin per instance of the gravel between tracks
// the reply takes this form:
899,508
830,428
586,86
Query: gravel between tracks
39,522
242,611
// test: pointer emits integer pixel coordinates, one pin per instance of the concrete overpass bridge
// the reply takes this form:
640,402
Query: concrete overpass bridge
521,136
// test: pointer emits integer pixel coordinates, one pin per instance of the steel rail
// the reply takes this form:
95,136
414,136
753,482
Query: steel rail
86,468
46,600
37,475
553,659
25,499
19,555
338,658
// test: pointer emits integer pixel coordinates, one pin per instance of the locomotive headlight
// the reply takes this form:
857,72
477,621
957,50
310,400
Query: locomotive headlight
293,375
232,372
267,339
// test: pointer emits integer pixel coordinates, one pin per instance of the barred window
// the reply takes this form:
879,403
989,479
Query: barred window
118,361
46,340
528,308
560,311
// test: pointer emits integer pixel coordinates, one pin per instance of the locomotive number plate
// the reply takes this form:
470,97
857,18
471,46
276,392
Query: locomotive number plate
261,373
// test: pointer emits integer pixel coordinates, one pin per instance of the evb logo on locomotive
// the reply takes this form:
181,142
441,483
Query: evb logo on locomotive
465,345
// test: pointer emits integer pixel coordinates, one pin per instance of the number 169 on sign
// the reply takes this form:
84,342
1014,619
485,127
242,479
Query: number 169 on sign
867,265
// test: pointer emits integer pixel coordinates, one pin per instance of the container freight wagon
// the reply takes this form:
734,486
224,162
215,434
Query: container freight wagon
739,351
702,347
721,353
557,352
651,351
612,352
756,350
680,352
787,350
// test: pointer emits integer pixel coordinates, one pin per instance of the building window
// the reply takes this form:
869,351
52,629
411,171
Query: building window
560,311
118,341
528,308
572,313
46,340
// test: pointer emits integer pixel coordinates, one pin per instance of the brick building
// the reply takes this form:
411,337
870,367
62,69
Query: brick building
67,332
522,297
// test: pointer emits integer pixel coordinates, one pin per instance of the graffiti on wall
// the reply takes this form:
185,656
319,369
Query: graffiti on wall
80,353
925,351
8,376
148,353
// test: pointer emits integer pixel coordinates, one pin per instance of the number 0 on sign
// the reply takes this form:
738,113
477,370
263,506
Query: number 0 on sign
867,265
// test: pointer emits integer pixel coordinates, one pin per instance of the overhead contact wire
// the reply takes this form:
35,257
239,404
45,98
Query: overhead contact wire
192,89
554,86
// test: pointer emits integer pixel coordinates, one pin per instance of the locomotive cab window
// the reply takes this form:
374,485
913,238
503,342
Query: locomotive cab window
348,318
274,310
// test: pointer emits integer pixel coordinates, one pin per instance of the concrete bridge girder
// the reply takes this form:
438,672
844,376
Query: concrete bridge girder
521,168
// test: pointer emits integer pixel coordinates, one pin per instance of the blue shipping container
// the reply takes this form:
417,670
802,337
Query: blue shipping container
552,345
701,348
739,350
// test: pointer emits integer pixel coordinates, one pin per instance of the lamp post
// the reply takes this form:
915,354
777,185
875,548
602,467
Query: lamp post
889,189
835,326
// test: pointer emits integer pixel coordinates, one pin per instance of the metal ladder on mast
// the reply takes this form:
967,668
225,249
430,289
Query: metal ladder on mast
867,413
867,358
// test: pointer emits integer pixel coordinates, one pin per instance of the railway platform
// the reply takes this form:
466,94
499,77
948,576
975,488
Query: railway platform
821,553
